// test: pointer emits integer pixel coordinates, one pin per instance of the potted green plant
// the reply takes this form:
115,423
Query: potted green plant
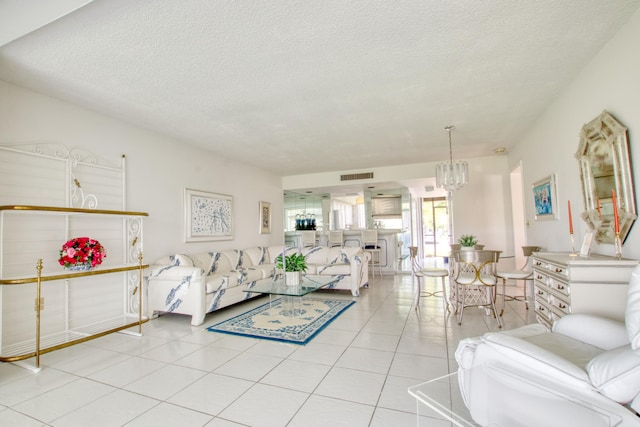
467,241
294,265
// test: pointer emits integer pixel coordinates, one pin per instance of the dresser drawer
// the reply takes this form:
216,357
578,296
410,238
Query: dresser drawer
541,293
540,276
543,310
554,316
559,306
553,269
559,286
557,269
544,321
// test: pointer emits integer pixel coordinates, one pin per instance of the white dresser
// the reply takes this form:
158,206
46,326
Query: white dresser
565,284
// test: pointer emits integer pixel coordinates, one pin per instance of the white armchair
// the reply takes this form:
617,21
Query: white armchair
586,371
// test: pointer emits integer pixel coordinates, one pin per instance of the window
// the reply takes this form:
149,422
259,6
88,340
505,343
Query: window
386,207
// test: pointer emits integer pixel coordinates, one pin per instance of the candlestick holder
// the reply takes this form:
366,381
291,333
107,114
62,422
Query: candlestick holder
618,244
573,246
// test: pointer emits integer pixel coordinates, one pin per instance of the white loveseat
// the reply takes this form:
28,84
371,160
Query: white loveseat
197,284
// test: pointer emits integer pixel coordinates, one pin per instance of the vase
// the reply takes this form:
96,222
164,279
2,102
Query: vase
80,267
467,248
292,278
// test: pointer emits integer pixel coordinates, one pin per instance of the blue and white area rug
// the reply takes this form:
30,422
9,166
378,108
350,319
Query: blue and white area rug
283,320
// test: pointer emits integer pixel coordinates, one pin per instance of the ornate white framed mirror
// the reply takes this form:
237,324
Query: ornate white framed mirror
603,155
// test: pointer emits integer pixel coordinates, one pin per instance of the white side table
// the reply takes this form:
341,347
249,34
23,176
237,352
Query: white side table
440,399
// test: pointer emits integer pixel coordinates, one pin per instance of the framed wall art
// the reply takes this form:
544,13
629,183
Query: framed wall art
265,217
545,199
208,216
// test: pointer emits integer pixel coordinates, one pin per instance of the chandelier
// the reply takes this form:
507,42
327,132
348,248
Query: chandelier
452,176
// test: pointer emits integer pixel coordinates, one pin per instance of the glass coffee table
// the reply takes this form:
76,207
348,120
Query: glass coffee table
292,293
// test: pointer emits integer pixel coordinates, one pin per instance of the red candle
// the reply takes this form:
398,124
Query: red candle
570,217
616,218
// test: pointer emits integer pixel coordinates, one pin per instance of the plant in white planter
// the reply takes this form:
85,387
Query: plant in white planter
468,241
294,265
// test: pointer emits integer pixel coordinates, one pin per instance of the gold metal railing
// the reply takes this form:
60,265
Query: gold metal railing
69,210
66,338
39,306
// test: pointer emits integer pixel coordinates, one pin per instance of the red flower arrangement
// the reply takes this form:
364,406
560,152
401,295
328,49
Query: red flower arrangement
81,251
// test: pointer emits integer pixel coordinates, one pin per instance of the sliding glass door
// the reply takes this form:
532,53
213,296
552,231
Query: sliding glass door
435,227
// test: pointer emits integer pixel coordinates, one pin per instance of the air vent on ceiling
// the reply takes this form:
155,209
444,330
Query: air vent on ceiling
354,176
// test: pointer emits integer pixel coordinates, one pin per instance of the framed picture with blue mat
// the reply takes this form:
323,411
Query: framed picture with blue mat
278,321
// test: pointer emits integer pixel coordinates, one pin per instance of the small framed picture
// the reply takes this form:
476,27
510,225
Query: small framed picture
265,218
208,216
586,244
545,199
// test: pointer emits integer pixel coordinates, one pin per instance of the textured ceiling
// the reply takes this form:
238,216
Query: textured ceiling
312,86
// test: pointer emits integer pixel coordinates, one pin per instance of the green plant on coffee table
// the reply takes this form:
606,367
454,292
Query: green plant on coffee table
293,262
468,240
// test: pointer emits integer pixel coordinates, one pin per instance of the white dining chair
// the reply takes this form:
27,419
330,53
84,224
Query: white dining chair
418,272
525,273
475,281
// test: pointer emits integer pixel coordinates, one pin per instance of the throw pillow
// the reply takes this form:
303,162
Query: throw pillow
182,260
616,374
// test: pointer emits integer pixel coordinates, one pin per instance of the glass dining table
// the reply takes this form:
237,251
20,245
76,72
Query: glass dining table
471,272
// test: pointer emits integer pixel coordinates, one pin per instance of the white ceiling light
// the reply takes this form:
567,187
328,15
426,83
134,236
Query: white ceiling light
452,176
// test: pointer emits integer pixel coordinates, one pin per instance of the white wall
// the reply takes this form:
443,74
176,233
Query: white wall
158,170
17,18
482,208
608,82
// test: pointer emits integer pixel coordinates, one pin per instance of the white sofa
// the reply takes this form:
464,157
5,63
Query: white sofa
197,284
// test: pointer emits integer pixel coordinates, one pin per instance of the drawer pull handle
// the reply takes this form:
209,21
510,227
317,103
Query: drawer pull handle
560,287
539,277
558,270
561,305
540,292
541,308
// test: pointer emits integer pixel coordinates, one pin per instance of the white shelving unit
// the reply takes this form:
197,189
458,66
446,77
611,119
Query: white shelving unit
85,196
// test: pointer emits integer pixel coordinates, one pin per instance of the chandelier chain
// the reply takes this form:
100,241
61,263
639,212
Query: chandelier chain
449,129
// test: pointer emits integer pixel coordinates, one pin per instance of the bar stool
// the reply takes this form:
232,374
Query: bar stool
335,238
307,238
525,273
418,271
370,244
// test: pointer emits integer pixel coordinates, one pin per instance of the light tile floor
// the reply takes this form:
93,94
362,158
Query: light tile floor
356,372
